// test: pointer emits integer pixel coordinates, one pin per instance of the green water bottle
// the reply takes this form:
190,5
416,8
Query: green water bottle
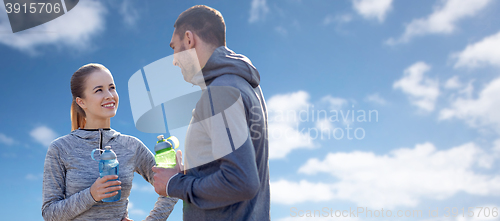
165,151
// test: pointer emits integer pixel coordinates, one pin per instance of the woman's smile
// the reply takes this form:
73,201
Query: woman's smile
109,105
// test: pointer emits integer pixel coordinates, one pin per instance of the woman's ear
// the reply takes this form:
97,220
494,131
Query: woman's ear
189,39
81,103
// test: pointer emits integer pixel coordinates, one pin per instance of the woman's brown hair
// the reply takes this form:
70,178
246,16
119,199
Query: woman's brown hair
77,90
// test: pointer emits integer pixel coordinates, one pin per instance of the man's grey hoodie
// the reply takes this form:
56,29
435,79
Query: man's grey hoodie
226,149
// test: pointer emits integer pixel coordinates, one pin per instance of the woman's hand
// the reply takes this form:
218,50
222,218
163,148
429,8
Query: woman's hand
100,189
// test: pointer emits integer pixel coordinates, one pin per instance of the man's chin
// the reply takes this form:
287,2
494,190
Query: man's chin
186,78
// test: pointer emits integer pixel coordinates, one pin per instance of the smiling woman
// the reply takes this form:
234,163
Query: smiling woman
72,186
99,100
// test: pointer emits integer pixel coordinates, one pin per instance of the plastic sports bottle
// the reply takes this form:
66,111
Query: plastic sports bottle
165,151
108,165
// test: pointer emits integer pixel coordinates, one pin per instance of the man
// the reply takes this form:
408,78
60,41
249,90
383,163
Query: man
226,171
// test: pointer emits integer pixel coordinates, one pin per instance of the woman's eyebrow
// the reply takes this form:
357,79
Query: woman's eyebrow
97,87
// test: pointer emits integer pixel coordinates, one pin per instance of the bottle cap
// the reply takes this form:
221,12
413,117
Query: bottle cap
108,154
162,145
160,137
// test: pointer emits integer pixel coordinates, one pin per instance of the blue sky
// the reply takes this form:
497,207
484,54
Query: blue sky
429,69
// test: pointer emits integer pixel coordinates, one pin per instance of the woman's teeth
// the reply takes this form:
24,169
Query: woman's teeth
109,105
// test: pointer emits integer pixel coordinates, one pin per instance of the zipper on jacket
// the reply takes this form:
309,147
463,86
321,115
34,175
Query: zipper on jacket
100,139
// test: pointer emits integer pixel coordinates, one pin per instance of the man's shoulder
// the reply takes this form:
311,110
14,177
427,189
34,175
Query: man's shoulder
230,80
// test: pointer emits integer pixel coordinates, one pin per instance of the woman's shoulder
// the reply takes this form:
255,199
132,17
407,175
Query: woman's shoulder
61,143
62,140
129,139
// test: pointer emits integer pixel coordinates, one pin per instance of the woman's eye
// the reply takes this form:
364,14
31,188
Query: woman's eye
112,88
98,90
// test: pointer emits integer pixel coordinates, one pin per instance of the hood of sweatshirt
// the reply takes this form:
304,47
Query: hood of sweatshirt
224,61
96,135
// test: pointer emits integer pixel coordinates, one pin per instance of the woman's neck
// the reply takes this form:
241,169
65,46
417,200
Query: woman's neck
97,123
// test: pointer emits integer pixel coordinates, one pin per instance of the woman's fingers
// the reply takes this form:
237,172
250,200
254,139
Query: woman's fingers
111,183
103,189
104,179
109,194
113,188
109,177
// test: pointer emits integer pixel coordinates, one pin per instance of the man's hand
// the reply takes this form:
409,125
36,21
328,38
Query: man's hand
162,175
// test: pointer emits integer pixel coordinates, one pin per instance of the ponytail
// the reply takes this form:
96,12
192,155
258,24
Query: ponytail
77,88
77,118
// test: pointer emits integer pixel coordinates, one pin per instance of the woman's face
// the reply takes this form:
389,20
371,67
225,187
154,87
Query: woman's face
101,98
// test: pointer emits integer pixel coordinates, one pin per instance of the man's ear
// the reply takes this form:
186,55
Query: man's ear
189,39
81,103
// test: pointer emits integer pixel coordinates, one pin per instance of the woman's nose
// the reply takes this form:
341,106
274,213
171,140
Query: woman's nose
108,95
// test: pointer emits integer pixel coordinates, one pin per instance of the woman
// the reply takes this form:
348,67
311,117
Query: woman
72,189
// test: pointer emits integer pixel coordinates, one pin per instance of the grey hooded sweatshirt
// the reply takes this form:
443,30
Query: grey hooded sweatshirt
69,171
226,147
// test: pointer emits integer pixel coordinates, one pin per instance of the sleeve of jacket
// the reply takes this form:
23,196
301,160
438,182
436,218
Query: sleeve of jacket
55,204
237,177
144,161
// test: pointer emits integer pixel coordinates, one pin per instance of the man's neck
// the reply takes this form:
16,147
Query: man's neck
205,54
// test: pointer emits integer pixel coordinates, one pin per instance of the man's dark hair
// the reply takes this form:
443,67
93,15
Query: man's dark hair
203,21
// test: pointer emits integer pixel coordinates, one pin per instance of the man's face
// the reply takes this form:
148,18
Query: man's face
187,60
176,44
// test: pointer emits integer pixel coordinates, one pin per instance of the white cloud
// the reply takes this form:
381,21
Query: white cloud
325,127
443,20
482,53
33,177
376,98
453,83
132,210
316,192
284,120
480,112
129,13
403,177
74,29
6,140
422,91
373,9
335,103
258,10
324,124
43,135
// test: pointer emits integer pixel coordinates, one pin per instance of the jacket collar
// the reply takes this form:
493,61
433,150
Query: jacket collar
91,135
